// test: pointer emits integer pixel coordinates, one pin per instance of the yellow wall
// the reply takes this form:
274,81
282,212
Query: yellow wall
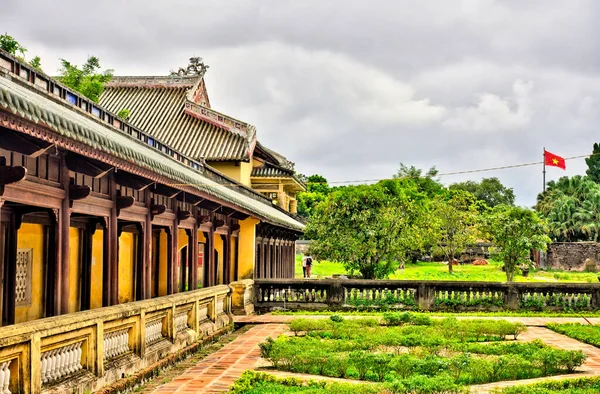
246,248
74,271
219,249
228,168
97,263
182,241
232,270
245,171
126,261
31,236
163,262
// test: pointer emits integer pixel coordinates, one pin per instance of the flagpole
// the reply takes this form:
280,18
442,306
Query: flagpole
544,171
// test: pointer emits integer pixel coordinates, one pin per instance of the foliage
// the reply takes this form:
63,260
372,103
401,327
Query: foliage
515,231
317,190
384,302
584,333
368,228
87,80
36,62
454,218
446,350
593,163
403,318
567,386
571,206
336,318
12,46
123,114
490,190
428,183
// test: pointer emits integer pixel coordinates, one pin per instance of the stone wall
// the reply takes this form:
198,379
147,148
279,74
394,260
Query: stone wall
572,256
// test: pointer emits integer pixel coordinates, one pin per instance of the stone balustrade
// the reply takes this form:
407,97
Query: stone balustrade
5,377
88,350
116,343
154,331
60,362
424,295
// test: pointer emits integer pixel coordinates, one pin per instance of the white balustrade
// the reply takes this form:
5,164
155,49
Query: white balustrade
116,343
181,322
60,362
220,307
4,377
153,331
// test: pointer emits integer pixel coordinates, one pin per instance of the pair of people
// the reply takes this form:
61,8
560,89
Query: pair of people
307,262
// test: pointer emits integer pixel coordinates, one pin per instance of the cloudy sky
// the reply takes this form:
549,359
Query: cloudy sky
351,88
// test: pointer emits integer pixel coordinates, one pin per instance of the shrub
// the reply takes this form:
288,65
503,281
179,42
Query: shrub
336,318
585,333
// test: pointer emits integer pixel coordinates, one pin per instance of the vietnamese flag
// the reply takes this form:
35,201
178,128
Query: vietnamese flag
550,159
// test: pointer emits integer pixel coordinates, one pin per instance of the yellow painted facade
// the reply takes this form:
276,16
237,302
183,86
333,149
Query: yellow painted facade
97,269
162,266
232,252
31,236
74,270
219,250
246,248
238,171
126,267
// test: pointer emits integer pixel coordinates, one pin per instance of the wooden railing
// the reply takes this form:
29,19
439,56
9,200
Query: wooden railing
89,350
424,295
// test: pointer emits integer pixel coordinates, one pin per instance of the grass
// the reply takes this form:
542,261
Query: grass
584,333
567,386
466,272
504,313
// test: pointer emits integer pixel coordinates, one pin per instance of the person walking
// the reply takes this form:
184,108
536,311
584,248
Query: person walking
307,265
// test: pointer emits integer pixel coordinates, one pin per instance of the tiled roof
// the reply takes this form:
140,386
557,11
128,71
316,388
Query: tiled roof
268,170
273,156
157,105
29,102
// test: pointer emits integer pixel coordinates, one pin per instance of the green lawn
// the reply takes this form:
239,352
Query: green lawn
467,272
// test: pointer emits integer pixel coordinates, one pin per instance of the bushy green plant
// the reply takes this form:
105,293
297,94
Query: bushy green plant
585,333
336,318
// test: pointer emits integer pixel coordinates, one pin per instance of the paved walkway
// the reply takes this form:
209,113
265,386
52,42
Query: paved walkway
217,372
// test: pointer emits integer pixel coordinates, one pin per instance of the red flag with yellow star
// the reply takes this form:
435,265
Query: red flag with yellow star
554,160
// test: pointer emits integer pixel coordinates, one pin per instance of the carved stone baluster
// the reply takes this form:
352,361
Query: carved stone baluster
6,379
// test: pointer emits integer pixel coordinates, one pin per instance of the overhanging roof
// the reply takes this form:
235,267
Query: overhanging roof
31,103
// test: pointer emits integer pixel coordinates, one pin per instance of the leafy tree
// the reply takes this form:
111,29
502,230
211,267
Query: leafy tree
317,190
87,80
570,206
489,190
12,46
36,62
454,218
367,228
514,231
593,163
123,114
427,183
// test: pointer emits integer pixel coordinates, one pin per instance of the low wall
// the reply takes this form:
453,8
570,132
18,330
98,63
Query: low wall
88,350
572,256
339,294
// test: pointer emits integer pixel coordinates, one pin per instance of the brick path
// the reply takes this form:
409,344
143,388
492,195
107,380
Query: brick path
217,372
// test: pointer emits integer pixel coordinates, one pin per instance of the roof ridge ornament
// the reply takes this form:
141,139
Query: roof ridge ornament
196,67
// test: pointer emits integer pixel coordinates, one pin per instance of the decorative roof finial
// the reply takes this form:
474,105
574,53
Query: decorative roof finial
196,67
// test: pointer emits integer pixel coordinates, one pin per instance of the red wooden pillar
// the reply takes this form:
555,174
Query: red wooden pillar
174,257
210,245
147,286
112,247
64,228
170,259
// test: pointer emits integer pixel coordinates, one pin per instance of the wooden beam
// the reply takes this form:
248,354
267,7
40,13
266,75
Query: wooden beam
165,190
218,223
183,215
86,166
17,142
239,216
124,202
157,209
235,227
203,219
209,205
226,211
79,192
135,182
188,198
10,174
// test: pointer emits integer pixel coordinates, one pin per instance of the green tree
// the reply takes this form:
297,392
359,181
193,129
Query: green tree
316,192
36,62
12,46
515,232
428,183
367,228
593,163
87,80
490,190
454,218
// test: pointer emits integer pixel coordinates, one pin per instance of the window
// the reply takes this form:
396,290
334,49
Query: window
23,282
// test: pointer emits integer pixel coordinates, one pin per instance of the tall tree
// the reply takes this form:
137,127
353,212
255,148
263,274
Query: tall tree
593,163
427,183
490,190
515,232
453,217
87,80
317,190
367,228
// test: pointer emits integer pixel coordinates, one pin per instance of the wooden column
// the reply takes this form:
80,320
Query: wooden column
226,258
269,259
183,263
236,261
195,258
10,271
257,256
52,263
170,261
113,246
210,241
106,272
140,263
264,245
147,249
174,257
64,226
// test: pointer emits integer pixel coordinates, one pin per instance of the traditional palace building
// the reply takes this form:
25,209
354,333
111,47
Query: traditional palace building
97,212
